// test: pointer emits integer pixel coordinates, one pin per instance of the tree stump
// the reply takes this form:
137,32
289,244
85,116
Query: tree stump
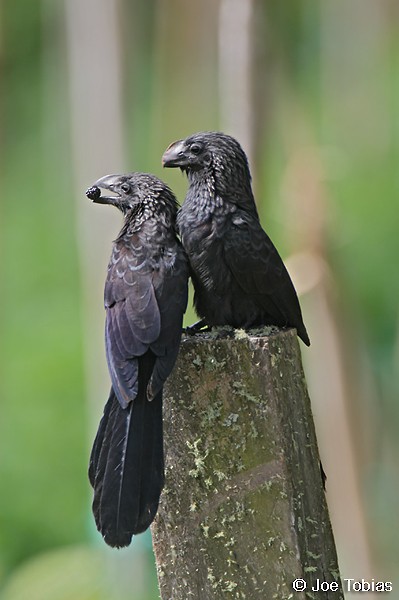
243,513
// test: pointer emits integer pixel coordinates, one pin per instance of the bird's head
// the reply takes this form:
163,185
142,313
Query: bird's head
127,192
212,154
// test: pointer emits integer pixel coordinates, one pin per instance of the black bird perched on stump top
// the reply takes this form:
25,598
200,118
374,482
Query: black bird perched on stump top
238,276
145,298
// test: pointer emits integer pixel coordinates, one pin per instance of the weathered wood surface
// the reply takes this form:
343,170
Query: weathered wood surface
243,513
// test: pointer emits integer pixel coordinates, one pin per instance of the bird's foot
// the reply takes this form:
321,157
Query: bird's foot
199,326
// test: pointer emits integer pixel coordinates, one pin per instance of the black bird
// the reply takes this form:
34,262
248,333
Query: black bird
239,278
145,298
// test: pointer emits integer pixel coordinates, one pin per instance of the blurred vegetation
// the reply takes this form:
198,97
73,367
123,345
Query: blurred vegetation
325,81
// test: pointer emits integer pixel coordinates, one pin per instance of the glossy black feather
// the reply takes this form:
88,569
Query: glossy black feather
130,469
99,439
239,278
145,298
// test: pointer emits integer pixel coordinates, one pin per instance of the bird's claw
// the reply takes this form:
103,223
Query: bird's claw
199,326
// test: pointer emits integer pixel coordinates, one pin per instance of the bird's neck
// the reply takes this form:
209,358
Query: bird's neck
202,195
149,216
134,219
212,194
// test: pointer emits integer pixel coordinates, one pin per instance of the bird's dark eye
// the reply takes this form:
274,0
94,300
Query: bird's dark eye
195,148
125,187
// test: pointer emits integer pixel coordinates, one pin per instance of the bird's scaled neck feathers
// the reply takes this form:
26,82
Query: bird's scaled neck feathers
202,196
217,190
160,212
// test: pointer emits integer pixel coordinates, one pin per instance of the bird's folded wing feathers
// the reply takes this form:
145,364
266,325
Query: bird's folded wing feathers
259,270
253,260
133,322
172,301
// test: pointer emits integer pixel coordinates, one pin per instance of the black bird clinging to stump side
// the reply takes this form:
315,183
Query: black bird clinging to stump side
238,276
145,298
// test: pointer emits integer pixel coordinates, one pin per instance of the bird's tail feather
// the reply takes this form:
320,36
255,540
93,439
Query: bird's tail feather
127,468
99,439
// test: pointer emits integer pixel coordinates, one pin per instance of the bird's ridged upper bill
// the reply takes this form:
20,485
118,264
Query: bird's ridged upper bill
108,182
174,155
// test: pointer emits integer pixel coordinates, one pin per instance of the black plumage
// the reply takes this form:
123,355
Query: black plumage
145,298
239,278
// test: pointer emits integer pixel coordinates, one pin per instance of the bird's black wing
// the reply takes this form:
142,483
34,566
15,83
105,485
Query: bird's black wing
133,319
260,272
171,293
126,463
145,299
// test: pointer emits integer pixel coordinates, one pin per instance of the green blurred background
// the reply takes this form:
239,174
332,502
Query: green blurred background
90,87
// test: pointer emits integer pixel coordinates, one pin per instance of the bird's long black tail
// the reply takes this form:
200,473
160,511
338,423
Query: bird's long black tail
127,467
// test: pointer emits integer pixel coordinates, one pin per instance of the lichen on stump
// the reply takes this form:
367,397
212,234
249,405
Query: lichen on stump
243,512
